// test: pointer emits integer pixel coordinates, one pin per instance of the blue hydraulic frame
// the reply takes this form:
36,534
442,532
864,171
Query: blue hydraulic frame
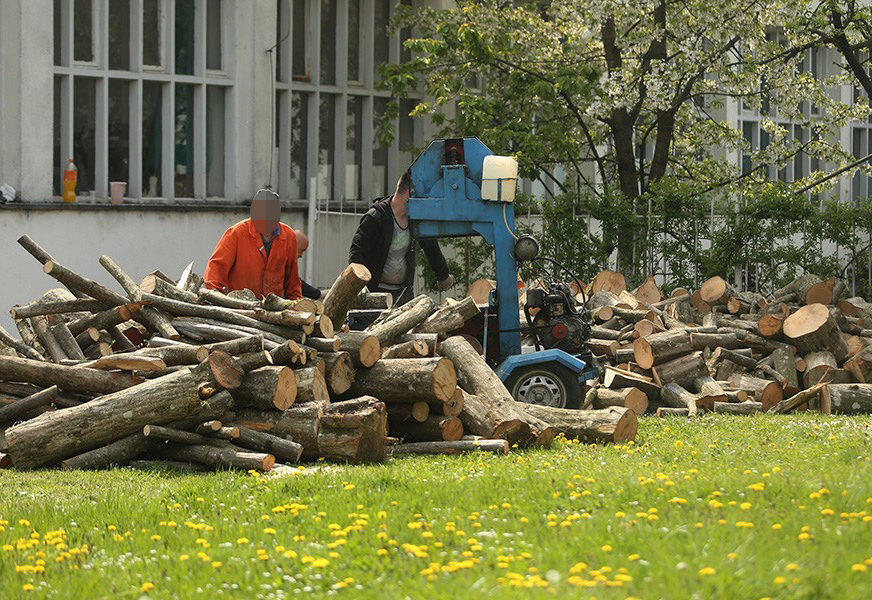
446,202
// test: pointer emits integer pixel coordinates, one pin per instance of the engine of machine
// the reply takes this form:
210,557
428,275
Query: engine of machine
556,323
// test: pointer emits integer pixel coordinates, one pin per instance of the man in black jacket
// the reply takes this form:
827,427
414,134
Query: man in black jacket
385,245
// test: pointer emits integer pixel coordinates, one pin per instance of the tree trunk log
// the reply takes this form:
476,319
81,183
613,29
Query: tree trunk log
617,378
417,412
342,295
117,453
373,300
153,284
283,449
767,392
365,348
816,364
52,437
709,391
354,431
218,299
67,378
433,429
59,307
701,341
683,370
784,362
716,291
48,339
812,329
125,363
300,423
243,345
219,368
740,408
19,408
153,318
408,380
340,371
450,448
723,354
409,349
311,386
220,456
450,317
660,347
846,399
20,347
331,344
613,424
267,388
179,436
677,396
668,411
402,320
632,398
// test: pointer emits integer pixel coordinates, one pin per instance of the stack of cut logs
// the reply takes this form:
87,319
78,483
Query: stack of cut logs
718,350
173,373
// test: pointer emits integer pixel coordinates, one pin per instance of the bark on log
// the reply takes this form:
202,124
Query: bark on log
617,378
332,344
812,329
300,423
847,399
660,347
739,408
311,385
373,300
67,378
59,307
683,370
490,410
723,354
408,380
768,392
19,408
632,398
48,339
251,361
701,341
402,320
29,338
152,284
20,347
267,388
235,347
179,436
218,299
788,404
602,347
838,376
668,411
289,353
601,333
52,437
118,452
340,371
860,366
283,449
354,431
125,363
677,396
342,295
784,362
449,317
417,412
613,424
410,349
220,456
431,339
305,321
153,318
450,448
364,347
177,354
600,305
432,429
816,364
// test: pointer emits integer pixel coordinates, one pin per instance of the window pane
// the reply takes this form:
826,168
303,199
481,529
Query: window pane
56,23
354,41
299,141
57,163
352,148
83,31
184,130
151,32
119,130
215,141
301,41
406,134
280,54
152,150
84,110
381,40
213,34
328,41
185,37
379,151
325,147
119,34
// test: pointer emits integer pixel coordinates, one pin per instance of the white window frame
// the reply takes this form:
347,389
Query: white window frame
136,75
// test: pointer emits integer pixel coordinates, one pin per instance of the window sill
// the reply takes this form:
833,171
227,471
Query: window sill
150,205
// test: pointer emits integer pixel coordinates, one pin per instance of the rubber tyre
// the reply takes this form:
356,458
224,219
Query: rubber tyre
563,378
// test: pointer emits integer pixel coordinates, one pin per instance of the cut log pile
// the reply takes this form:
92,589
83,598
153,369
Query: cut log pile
173,373
808,346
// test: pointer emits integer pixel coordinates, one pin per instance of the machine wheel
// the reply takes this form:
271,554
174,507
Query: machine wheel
548,384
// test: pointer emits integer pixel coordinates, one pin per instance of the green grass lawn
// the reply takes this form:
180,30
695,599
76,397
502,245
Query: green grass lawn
719,507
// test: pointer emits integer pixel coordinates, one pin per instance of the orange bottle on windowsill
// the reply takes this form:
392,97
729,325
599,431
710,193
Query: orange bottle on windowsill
71,174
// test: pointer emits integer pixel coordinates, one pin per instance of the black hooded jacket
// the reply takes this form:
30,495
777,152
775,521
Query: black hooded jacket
372,241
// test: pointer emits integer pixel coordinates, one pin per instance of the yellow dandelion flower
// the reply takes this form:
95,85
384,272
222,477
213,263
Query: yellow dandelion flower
859,567
242,540
780,580
706,571
606,548
146,586
776,526
792,567
27,587
216,563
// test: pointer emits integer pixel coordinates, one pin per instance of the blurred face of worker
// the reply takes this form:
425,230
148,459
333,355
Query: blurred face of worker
265,213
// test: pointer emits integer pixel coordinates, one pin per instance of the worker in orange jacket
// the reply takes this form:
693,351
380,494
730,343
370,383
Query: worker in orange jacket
259,253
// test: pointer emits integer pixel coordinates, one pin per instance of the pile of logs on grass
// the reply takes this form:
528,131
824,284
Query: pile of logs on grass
174,373
726,351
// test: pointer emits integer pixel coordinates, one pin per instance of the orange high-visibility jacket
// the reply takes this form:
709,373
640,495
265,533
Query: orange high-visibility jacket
240,261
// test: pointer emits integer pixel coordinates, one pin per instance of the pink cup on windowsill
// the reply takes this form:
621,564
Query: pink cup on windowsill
116,191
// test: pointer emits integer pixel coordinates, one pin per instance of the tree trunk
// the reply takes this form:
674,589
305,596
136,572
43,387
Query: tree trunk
660,347
219,368
218,299
408,380
812,329
342,295
860,366
402,320
126,363
332,344
632,398
340,371
450,448
709,391
432,429
153,318
723,354
21,347
409,349
300,423
676,396
365,348
417,412
311,386
716,291
153,284
816,364
768,392
48,339
430,339
784,362
798,399
683,370
283,449
701,341
453,407
52,437
668,411
450,317
19,408
845,399
220,456
243,345
118,452
354,431
267,388
613,424
373,300
617,378
179,436
740,408
72,379
59,307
